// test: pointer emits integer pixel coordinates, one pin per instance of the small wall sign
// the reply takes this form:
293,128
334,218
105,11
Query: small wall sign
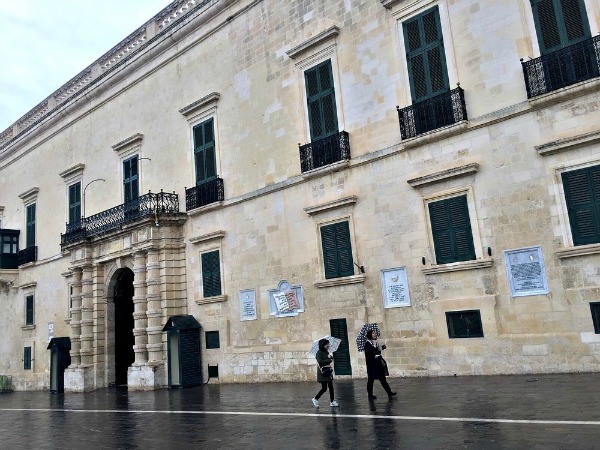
248,305
526,271
394,284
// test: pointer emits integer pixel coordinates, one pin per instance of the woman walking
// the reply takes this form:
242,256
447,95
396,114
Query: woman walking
376,366
324,373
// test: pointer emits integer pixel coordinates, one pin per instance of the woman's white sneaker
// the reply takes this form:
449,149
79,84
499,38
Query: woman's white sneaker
334,403
315,402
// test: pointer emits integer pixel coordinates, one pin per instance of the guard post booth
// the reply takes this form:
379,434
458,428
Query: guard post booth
183,351
60,359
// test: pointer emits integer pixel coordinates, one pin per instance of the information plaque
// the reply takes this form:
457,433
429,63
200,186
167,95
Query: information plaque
526,271
248,305
395,287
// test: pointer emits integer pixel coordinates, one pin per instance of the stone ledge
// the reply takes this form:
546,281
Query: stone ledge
350,200
569,143
435,177
436,135
580,250
28,285
354,279
28,327
330,168
204,102
215,299
72,172
455,267
565,93
205,208
129,142
330,32
207,237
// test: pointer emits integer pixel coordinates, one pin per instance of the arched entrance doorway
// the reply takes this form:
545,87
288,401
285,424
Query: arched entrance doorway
124,339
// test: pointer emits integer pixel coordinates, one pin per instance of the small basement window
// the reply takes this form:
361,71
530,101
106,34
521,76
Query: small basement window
212,339
213,371
595,307
464,324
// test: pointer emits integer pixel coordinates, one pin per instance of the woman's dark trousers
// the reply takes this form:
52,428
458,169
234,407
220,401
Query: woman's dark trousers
324,386
384,383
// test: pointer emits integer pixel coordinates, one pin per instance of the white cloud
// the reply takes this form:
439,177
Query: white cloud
47,42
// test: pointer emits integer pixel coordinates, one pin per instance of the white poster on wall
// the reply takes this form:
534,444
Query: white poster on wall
394,284
248,305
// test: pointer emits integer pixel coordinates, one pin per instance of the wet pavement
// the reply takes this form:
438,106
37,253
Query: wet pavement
492,412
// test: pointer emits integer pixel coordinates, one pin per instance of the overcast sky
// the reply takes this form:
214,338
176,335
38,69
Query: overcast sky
45,43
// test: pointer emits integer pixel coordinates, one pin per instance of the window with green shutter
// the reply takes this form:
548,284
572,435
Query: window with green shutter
424,43
30,227
451,229
320,95
27,358
204,152
582,195
29,310
131,179
337,250
75,203
559,23
211,274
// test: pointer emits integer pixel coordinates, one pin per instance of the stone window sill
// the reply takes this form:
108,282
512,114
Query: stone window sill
565,93
436,135
207,300
455,267
205,208
330,168
580,250
341,281
28,327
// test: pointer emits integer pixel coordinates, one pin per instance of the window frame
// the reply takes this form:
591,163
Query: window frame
29,310
127,182
452,335
202,270
215,337
595,205
353,247
74,205
30,224
206,179
319,97
28,358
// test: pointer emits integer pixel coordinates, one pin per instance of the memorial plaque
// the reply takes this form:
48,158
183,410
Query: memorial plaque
248,305
394,284
286,300
526,271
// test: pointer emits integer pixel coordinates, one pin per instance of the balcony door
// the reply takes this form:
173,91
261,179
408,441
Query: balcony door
204,152
131,186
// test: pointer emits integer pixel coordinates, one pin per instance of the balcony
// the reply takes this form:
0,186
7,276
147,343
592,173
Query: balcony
28,255
325,151
9,249
565,67
437,112
112,219
204,194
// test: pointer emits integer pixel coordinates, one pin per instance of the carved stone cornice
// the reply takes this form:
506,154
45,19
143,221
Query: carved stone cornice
207,237
345,201
569,143
72,172
205,102
443,175
127,143
311,42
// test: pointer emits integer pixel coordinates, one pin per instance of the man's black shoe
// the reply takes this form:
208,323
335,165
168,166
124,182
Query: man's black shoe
391,394
372,397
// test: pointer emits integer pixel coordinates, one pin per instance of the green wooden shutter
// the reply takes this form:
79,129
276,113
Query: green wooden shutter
582,194
74,203
337,250
29,310
26,358
30,238
204,152
559,23
341,357
320,95
211,274
131,179
424,42
451,228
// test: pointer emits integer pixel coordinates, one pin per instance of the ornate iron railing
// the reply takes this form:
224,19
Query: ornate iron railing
28,255
437,112
113,218
204,194
325,151
562,68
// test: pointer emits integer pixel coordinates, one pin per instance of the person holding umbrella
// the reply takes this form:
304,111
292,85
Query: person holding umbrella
367,341
324,373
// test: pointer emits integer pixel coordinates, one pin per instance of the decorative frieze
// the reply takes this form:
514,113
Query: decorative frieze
124,49
73,86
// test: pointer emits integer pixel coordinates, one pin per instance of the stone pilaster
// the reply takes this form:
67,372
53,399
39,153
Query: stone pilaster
154,312
87,318
140,303
76,319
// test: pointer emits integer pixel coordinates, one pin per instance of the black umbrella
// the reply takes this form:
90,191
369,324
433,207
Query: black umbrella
362,336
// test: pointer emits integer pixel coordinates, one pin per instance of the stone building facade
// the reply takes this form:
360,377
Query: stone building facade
286,170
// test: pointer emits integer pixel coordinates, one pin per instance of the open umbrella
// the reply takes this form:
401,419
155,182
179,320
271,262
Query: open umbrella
334,344
362,336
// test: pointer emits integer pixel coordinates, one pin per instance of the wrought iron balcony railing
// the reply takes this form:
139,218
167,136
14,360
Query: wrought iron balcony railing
562,68
28,255
111,219
437,112
325,151
204,194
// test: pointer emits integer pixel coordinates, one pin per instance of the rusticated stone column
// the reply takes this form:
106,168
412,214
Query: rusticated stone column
140,319
87,318
76,319
154,312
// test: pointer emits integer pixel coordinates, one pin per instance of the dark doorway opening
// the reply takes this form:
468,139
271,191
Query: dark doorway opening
124,339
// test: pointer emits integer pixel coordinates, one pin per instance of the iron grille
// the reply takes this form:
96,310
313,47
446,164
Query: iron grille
204,194
464,324
323,152
113,218
437,112
561,68
28,255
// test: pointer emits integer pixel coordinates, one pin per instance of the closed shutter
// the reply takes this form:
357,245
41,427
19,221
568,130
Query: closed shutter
320,95
204,152
75,203
424,43
189,354
337,250
451,229
559,23
341,358
582,194
211,274
130,179
27,358
29,310
31,213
